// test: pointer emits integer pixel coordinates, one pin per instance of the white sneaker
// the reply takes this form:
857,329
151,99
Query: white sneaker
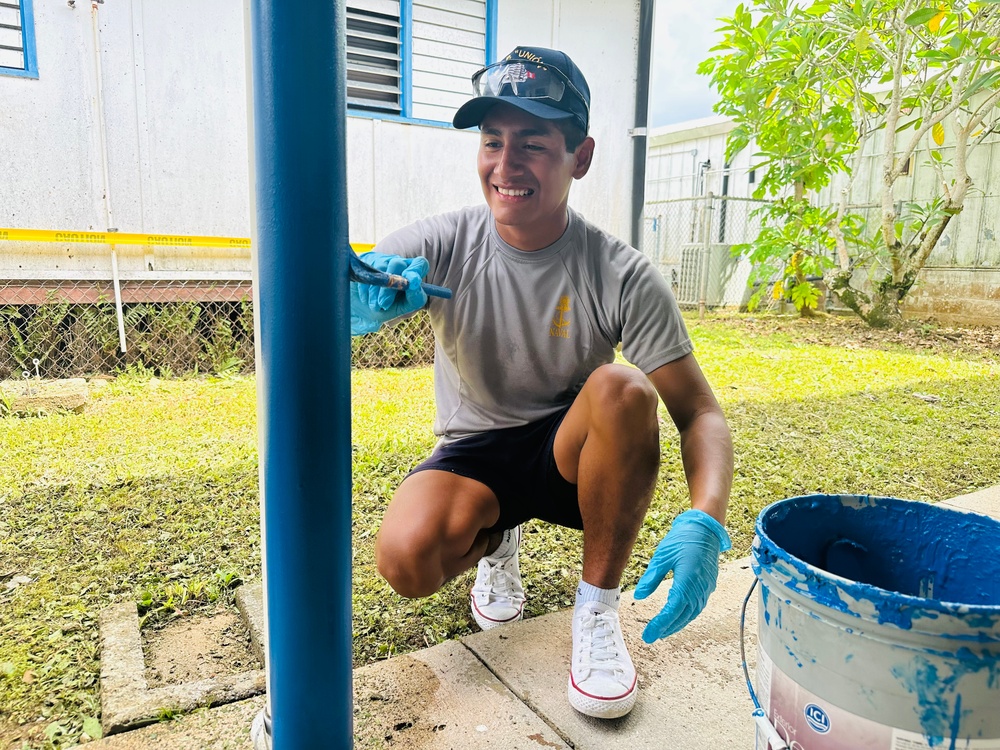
260,731
497,596
602,679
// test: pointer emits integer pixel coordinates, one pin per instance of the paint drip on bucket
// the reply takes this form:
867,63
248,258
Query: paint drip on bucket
879,624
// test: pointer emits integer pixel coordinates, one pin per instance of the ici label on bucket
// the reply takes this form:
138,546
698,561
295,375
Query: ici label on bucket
854,654
816,718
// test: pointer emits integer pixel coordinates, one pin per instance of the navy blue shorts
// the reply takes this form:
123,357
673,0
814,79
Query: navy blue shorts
518,465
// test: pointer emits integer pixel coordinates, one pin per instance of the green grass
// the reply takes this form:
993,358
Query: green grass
151,495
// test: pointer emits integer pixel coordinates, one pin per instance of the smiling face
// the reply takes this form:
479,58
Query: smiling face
526,173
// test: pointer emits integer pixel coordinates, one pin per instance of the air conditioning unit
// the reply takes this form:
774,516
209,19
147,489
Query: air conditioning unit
719,266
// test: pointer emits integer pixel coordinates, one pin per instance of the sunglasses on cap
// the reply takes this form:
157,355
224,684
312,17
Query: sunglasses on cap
525,80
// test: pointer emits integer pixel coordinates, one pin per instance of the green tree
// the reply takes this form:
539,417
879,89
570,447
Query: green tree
809,84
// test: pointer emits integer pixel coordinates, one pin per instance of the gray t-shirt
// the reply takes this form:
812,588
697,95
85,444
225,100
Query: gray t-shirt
525,329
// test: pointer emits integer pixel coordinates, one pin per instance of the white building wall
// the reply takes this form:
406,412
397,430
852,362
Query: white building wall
972,239
175,134
174,89
603,40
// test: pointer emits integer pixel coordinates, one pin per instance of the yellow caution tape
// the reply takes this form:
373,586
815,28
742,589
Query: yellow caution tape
121,238
124,238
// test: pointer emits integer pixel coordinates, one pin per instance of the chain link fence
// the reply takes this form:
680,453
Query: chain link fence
59,329
189,325
185,326
690,240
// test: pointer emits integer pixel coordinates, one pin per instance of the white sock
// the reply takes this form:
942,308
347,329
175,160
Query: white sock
587,593
508,545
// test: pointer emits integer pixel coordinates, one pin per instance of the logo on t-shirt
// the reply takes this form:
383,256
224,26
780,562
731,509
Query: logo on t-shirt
560,323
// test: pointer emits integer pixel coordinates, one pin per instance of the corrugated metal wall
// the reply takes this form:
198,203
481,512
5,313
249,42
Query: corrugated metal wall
971,240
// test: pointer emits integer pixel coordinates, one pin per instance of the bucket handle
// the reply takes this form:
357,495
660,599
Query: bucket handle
774,740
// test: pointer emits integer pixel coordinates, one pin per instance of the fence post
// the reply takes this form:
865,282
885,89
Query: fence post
706,230
119,307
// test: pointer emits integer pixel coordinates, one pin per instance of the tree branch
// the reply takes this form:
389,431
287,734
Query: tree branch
980,113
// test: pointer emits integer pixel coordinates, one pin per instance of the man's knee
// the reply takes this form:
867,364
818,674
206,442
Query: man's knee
418,552
625,394
409,561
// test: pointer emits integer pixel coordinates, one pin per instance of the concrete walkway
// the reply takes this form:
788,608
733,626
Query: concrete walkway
506,689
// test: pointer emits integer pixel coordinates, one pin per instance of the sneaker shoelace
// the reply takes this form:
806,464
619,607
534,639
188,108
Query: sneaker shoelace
598,649
500,582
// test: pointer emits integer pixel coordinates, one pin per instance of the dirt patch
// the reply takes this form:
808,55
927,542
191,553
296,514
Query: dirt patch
15,737
196,647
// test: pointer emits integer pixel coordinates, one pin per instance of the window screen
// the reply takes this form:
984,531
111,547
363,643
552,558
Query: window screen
11,36
374,56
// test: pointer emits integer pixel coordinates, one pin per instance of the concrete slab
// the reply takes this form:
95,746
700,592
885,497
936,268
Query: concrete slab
691,687
250,603
986,502
221,728
128,702
442,698
33,396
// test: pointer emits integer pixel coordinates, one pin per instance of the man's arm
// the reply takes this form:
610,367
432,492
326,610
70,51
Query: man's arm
706,443
691,548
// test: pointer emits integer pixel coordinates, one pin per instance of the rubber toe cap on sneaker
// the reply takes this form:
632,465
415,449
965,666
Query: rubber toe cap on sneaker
495,614
601,697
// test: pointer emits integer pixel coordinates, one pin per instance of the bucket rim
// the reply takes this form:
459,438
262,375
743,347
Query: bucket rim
866,591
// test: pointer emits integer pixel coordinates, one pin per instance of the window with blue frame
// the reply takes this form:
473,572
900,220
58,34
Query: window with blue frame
17,39
375,57
414,58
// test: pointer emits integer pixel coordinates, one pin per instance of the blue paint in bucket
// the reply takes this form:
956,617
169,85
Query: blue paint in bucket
882,616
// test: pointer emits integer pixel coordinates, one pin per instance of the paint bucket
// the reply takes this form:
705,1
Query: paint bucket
879,624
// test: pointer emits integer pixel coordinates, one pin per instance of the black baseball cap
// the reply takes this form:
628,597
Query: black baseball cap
543,82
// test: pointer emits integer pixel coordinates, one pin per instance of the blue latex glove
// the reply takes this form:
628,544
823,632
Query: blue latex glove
371,306
691,549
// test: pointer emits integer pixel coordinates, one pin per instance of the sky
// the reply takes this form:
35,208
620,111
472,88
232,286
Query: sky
684,31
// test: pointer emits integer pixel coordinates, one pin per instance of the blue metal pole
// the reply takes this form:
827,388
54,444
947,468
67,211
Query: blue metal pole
303,379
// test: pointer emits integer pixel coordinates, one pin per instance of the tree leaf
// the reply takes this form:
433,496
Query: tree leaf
805,295
935,23
54,730
934,55
862,39
984,81
770,98
937,133
92,727
921,16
